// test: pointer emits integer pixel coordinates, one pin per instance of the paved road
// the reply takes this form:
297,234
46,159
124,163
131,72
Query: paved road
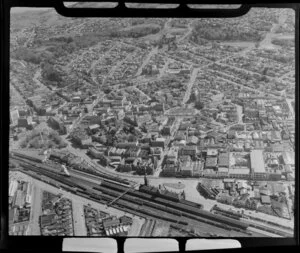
119,63
94,64
162,71
154,51
78,218
138,90
136,226
36,210
190,85
190,29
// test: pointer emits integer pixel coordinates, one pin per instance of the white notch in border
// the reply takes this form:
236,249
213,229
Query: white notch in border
206,244
150,245
107,245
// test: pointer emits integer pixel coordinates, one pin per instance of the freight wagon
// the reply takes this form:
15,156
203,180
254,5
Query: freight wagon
162,207
155,191
183,223
220,219
105,177
200,213
156,214
94,196
180,207
226,215
237,215
190,203
82,194
68,188
21,155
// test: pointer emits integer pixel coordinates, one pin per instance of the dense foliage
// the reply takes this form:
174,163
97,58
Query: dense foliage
135,32
28,55
50,73
37,139
224,33
283,42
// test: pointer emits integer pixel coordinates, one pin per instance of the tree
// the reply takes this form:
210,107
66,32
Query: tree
50,73
199,105
265,71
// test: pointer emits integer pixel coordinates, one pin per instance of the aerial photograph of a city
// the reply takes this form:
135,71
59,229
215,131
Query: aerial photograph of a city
152,127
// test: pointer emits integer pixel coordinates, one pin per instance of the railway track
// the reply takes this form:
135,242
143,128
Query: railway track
134,201
96,176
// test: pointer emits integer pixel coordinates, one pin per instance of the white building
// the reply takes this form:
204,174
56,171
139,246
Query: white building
257,165
13,186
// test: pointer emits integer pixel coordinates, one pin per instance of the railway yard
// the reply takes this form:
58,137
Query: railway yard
146,203
153,127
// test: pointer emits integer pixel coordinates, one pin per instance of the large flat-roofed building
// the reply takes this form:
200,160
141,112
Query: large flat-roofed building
288,158
14,116
223,171
241,173
257,164
188,150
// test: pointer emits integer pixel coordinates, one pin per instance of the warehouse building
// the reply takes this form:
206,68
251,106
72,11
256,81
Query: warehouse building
257,165
188,150
241,173
14,116
20,199
288,158
13,186
223,160
222,171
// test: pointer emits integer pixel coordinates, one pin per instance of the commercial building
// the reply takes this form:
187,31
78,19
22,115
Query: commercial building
222,172
240,173
93,128
28,196
95,153
170,169
288,158
20,199
14,116
223,160
159,142
170,127
13,186
25,122
186,166
258,171
212,152
57,124
211,162
188,150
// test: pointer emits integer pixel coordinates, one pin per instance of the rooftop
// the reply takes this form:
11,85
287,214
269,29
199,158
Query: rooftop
257,161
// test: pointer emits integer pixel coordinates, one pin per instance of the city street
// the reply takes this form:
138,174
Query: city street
36,210
78,218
